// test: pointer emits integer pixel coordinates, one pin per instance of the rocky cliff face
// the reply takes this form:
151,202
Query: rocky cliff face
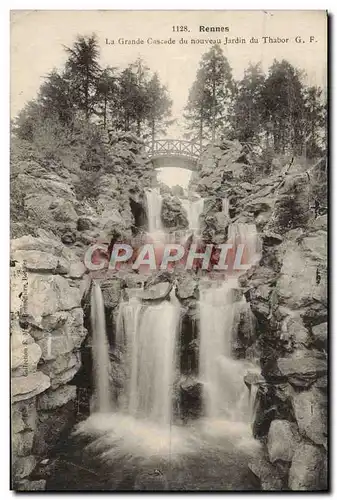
46,334
287,292
52,227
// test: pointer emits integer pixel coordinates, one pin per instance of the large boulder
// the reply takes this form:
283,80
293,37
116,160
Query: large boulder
48,294
303,278
160,291
282,438
302,367
173,214
268,475
29,386
306,469
292,204
310,409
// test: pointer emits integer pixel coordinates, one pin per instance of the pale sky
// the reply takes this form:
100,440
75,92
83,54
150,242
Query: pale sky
37,39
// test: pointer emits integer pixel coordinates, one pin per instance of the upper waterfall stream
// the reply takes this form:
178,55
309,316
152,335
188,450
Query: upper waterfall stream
146,426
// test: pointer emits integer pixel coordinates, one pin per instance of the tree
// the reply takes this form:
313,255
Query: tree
84,70
247,112
107,94
314,121
128,95
57,97
211,95
283,105
195,110
158,106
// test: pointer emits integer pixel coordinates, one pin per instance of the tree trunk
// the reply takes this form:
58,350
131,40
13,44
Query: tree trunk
104,116
152,134
213,112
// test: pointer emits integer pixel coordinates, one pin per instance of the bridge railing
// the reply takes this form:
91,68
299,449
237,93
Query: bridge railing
172,147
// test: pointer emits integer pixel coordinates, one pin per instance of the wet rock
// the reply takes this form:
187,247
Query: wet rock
29,386
26,485
48,294
160,291
293,331
24,415
305,471
51,424
302,367
322,383
303,279
190,397
65,339
41,261
247,186
22,443
153,480
281,441
320,334
310,409
43,245
24,359
54,399
271,239
173,214
111,290
267,473
23,466
76,270
187,288
252,378
62,369
292,203
83,224
68,238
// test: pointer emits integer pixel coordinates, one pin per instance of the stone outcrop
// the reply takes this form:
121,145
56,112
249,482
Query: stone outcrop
173,214
46,334
287,293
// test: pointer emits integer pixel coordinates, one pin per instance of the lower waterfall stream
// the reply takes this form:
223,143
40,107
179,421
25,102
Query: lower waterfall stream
138,440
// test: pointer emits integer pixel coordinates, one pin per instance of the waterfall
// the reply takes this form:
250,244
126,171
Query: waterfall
154,203
225,394
100,352
150,338
240,233
225,206
193,209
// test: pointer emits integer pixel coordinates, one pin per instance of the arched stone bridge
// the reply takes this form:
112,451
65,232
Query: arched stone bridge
173,153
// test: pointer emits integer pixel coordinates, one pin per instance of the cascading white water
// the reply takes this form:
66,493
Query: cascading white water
150,339
246,234
194,209
225,206
225,395
100,352
154,203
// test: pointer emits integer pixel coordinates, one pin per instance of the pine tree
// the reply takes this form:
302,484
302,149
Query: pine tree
246,117
107,94
211,95
158,106
283,106
314,121
84,70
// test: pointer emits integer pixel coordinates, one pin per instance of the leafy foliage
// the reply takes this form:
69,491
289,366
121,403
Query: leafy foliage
276,111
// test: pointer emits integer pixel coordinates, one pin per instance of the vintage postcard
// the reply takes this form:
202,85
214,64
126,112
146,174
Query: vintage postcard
169,314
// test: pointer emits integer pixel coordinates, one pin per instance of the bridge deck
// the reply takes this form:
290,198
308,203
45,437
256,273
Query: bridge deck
173,147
